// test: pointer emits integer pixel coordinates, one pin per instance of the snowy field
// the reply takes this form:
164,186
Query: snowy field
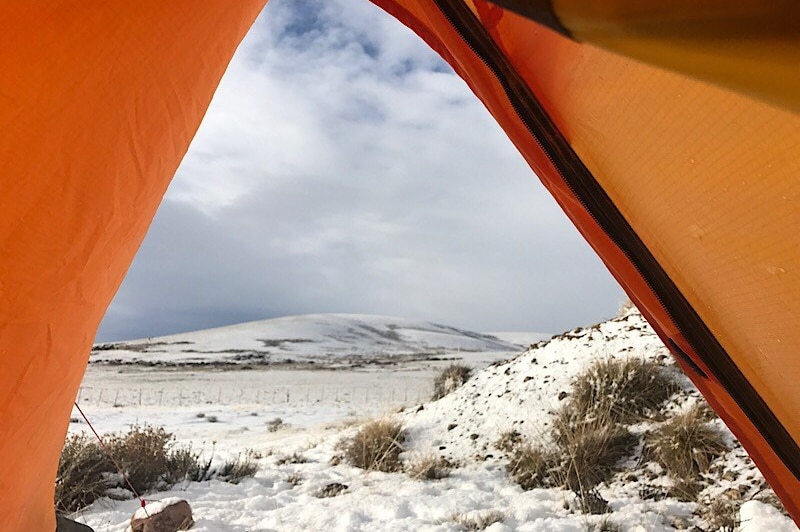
242,402
226,412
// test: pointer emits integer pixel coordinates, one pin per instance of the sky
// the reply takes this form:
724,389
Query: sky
343,167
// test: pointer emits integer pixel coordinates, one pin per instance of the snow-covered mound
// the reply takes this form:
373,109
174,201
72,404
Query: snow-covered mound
522,397
318,338
518,394
521,338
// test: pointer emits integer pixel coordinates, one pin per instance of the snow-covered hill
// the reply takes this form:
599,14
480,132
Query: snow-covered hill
316,338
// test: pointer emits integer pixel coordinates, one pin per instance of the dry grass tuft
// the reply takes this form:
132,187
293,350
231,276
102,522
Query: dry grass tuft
605,525
479,520
294,458
185,464
430,468
531,466
686,444
720,514
376,447
591,449
509,441
295,479
242,467
629,389
591,438
450,379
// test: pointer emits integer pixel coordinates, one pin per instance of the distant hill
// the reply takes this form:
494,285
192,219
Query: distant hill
313,338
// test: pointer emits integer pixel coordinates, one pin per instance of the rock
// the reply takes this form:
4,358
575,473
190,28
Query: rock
68,525
331,490
169,515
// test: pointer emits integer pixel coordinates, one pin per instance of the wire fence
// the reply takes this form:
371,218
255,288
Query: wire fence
294,395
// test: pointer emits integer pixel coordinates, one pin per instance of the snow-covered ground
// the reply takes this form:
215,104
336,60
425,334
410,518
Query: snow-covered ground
320,408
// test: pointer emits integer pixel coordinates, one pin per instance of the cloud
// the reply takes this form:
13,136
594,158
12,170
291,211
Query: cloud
342,167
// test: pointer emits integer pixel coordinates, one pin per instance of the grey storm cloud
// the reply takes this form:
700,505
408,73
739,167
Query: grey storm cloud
343,167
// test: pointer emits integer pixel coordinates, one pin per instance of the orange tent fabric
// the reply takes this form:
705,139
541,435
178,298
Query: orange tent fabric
683,178
98,104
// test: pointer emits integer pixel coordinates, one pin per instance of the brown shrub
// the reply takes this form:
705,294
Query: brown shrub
82,474
146,454
376,447
143,454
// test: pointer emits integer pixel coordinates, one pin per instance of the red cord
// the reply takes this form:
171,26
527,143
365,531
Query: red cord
111,456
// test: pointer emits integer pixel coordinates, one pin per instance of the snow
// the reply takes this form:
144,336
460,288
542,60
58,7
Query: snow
756,516
316,338
155,507
320,408
521,338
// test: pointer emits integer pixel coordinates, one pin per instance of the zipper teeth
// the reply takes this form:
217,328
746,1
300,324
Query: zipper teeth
521,115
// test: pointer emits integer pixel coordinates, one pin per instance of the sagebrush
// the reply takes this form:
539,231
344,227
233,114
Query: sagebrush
82,474
149,457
